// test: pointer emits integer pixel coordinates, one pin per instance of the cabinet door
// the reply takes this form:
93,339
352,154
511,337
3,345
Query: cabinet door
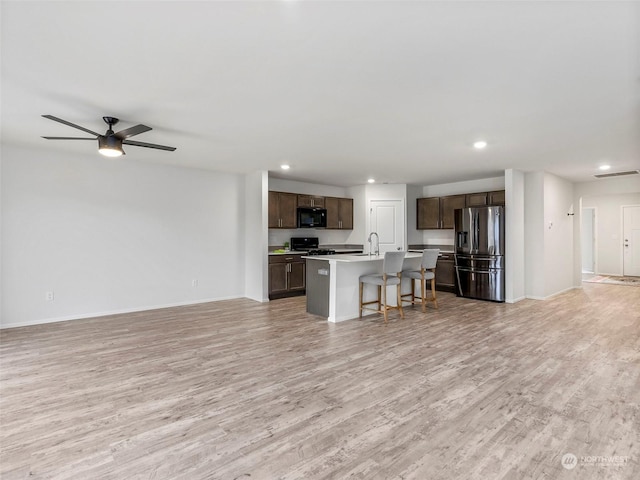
447,207
428,210
288,210
297,275
496,198
332,204
304,201
476,199
345,209
317,201
274,214
310,201
445,274
278,277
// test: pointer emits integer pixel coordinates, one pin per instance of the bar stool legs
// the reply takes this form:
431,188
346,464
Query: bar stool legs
381,301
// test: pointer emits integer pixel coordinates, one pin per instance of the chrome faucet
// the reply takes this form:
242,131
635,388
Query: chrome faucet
377,243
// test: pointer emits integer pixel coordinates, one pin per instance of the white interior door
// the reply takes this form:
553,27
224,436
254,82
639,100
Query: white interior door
387,219
588,240
631,240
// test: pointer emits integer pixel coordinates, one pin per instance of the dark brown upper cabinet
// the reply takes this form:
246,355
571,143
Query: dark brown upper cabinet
310,201
477,199
339,213
283,210
496,198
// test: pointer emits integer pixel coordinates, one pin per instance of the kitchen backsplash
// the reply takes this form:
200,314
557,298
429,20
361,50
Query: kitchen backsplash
279,236
438,237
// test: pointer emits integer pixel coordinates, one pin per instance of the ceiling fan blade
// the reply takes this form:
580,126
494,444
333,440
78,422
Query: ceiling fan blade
148,145
68,138
130,132
56,119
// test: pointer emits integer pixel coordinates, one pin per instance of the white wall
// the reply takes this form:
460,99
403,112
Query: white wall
534,234
587,237
256,272
548,235
596,188
609,249
558,234
115,235
514,236
470,186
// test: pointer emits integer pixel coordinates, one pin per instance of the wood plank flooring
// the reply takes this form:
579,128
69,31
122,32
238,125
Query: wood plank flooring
243,390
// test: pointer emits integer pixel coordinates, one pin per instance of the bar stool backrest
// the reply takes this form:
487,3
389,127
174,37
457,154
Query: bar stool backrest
430,258
392,263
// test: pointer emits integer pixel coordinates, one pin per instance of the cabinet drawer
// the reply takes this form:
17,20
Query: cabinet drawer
285,258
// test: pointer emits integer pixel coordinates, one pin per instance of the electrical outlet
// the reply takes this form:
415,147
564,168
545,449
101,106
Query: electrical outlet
49,296
194,282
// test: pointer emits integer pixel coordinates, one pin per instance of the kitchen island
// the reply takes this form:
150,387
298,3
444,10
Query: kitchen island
333,282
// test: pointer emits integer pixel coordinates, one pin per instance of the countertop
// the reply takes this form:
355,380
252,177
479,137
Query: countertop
442,248
358,258
337,250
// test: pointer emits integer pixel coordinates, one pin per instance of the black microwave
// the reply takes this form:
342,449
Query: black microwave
312,217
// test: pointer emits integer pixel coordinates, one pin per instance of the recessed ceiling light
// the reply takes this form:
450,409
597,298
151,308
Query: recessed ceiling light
284,166
605,167
372,180
480,144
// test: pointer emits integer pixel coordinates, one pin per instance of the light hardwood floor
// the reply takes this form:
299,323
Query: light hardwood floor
243,390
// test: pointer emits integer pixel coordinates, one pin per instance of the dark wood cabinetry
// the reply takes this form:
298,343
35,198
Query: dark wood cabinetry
445,273
339,213
282,210
310,201
496,198
438,212
428,213
448,206
287,276
477,199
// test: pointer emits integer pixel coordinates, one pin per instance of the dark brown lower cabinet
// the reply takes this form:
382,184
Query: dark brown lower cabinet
446,273
287,276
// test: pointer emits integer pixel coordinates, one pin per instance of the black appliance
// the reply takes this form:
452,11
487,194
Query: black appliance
309,245
309,217
479,257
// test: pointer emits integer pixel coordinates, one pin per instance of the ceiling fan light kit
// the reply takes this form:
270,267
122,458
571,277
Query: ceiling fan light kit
110,144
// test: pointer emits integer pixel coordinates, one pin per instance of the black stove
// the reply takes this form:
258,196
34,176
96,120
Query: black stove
310,245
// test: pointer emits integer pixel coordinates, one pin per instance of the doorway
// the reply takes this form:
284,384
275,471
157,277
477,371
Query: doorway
386,218
631,241
588,240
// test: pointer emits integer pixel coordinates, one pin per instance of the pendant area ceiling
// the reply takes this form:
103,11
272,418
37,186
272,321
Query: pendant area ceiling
341,91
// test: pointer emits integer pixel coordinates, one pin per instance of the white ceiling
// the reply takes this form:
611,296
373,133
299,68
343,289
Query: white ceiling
340,90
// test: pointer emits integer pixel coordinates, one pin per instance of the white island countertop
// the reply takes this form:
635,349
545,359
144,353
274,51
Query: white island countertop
360,257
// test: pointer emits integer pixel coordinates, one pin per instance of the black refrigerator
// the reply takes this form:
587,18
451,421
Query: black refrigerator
479,256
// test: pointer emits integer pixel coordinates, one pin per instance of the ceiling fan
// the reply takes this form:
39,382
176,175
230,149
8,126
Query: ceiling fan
110,144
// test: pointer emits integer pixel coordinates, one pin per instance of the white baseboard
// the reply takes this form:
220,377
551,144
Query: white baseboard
515,300
535,297
115,312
